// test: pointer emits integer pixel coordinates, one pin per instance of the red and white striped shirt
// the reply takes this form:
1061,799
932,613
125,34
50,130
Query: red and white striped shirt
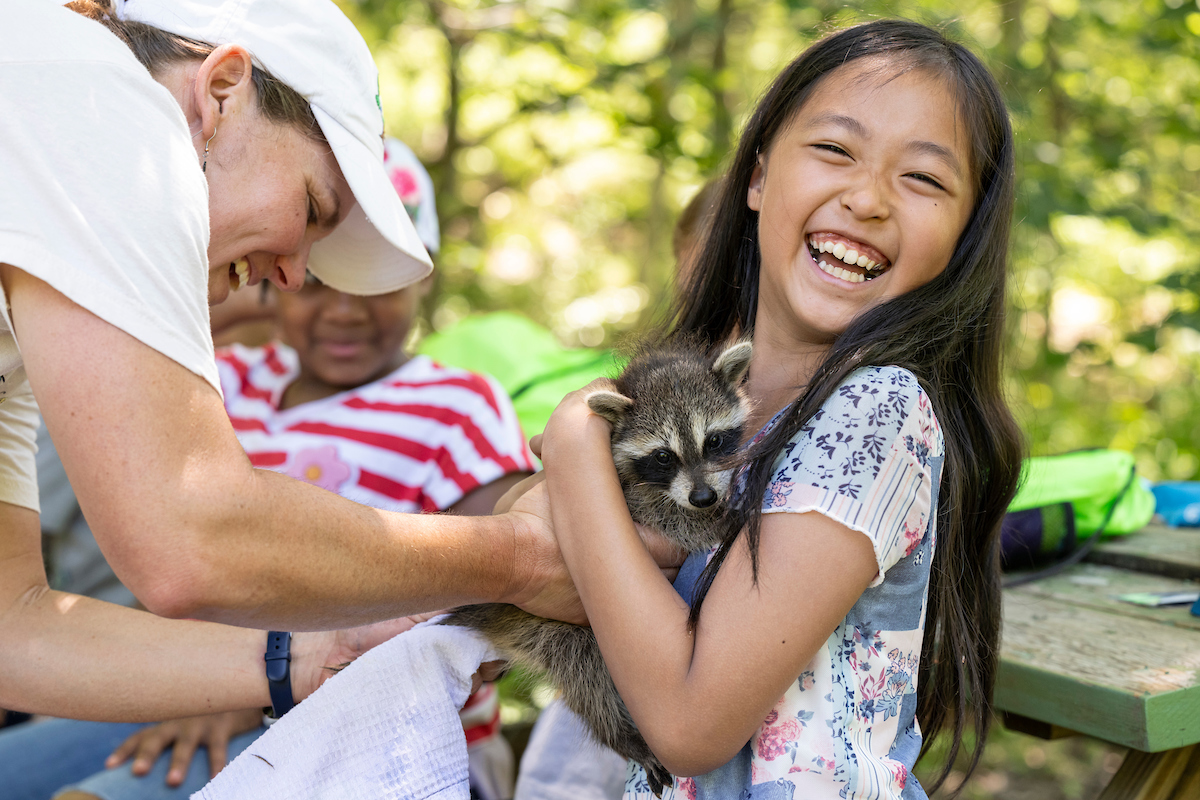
419,439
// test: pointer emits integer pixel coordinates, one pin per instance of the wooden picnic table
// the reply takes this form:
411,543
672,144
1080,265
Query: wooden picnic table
1074,659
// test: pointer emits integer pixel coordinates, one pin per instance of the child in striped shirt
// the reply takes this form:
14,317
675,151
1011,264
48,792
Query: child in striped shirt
343,406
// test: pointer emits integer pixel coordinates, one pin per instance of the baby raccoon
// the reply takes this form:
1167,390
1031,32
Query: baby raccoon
677,419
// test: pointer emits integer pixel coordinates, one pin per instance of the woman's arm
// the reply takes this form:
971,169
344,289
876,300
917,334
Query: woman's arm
86,659
195,531
696,699
482,501
81,658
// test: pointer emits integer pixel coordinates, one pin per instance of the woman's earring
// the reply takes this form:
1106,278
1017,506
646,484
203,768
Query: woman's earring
204,166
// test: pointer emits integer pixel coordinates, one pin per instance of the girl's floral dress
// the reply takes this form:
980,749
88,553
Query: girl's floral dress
871,458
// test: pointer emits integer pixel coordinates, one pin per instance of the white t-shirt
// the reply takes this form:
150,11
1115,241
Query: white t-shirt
101,197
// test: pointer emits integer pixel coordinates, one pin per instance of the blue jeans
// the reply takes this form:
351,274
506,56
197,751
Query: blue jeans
38,759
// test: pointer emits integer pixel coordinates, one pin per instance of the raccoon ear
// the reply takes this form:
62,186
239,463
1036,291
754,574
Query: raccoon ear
733,362
610,405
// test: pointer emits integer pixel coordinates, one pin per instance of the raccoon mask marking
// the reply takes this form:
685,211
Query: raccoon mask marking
677,418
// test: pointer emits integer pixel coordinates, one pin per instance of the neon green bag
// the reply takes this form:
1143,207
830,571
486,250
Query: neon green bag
527,360
1093,492
1090,480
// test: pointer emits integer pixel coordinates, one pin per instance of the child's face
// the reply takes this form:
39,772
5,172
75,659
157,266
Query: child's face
343,340
877,163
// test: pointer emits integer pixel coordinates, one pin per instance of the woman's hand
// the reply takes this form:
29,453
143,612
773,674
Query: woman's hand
506,501
335,650
212,731
318,656
545,587
574,432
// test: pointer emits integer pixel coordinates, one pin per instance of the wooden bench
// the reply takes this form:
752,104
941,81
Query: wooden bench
1074,659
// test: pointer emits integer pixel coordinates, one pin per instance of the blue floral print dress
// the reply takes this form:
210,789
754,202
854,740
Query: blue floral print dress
870,458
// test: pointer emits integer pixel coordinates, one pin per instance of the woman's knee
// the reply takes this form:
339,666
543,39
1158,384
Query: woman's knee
74,795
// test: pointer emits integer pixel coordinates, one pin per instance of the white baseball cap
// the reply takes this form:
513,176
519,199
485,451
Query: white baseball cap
312,47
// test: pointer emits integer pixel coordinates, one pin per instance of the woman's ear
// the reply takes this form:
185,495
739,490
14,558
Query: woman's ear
754,194
224,85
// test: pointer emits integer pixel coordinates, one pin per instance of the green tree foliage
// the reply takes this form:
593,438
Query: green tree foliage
565,136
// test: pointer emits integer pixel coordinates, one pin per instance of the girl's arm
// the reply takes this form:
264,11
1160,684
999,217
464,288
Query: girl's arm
195,531
696,699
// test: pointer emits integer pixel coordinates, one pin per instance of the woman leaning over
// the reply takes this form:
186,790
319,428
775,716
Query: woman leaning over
249,131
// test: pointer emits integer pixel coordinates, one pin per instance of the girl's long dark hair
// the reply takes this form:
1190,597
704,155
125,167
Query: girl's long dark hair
949,333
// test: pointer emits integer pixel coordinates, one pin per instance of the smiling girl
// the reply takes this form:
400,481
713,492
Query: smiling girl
860,239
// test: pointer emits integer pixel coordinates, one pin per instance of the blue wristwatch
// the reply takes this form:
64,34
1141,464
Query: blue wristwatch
279,672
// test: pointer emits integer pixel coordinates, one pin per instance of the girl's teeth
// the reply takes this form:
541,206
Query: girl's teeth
846,254
839,272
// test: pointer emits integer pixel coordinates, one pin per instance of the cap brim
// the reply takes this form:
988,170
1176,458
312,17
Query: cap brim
376,248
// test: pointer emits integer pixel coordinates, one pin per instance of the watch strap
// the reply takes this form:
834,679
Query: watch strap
279,673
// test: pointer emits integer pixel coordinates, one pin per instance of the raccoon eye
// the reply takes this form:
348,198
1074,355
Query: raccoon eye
662,457
712,442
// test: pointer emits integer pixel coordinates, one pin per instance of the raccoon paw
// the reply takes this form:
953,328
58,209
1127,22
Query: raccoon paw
657,776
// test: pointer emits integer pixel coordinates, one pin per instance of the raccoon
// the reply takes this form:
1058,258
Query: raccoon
677,419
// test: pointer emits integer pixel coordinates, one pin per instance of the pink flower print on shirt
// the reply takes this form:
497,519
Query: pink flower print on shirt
870,688
687,786
927,421
913,535
777,493
883,693
806,680
320,466
823,763
774,738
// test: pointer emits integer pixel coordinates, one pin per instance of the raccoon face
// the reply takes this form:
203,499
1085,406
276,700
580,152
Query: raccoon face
676,420
683,462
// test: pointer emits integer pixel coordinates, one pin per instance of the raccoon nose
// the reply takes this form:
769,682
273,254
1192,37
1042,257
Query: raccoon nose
702,497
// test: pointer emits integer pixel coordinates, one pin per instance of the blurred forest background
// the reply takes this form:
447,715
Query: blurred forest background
565,136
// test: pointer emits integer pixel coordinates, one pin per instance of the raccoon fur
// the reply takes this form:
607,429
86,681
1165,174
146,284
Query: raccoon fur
677,418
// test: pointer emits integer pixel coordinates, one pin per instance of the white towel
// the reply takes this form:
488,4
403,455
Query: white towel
385,728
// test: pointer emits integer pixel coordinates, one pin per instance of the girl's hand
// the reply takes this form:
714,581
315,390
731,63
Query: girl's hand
573,425
213,731
576,433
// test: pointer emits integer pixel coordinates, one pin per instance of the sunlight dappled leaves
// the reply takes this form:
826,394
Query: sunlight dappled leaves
566,135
